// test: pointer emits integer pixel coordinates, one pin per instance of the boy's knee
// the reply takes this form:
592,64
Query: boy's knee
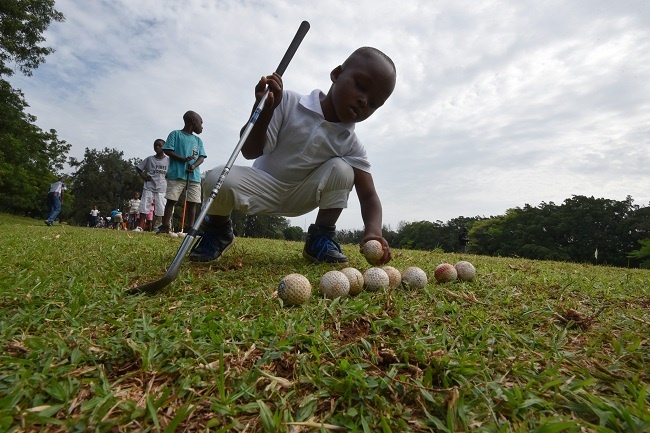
341,175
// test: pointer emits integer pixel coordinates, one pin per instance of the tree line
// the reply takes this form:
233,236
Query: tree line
582,229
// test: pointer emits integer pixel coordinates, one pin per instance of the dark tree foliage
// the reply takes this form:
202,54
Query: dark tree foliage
264,226
426,235
572,231
105,179
22,24
29,157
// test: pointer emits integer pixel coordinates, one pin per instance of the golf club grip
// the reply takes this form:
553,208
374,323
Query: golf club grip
295,43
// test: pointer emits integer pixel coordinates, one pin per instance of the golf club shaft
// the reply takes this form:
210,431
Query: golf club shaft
174,267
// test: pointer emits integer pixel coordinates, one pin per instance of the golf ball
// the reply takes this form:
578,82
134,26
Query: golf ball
173,235
137,229
465,271
394,276
414,278
373,251
334,284
356,280
294,289
445,272
182,234
375,279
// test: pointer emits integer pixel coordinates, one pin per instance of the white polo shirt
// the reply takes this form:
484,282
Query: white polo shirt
299,139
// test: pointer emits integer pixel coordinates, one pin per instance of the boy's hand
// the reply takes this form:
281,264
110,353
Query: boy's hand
274,83
384,244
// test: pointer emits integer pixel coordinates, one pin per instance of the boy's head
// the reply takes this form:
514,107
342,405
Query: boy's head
360,86
158,146
136,195
193,123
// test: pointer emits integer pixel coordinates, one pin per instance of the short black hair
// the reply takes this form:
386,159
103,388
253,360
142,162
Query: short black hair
368,52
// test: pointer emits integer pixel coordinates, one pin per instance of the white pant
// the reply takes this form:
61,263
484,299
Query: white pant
253,191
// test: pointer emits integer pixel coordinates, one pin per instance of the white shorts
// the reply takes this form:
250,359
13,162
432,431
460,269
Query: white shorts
158,199
175,188
253,191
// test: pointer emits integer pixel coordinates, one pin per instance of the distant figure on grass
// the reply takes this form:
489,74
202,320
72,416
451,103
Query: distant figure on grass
307,156
134,205
116,219
186,153
93,217
153,170
55,200
463,240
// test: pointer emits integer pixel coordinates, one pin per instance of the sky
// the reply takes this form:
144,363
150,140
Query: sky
498,104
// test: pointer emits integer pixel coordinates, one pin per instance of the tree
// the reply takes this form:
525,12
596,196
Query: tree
30,159
102,178
22,24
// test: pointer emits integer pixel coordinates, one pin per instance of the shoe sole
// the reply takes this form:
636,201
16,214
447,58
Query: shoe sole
203,259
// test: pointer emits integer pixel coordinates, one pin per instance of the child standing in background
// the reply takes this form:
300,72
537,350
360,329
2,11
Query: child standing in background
153,170
186,153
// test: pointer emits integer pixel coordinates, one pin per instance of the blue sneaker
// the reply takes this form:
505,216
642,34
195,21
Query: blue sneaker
321,247
214,241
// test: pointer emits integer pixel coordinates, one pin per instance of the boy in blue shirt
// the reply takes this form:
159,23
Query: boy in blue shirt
186,153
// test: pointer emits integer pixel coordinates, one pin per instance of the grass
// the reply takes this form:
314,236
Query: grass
527,346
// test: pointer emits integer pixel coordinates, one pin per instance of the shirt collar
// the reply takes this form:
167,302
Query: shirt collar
312,103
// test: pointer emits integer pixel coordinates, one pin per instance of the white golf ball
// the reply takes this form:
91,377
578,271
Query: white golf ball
394,276
182,234
173,235
294,289
414,278
356,280
373,251
334,284
445,272
375,279
465,271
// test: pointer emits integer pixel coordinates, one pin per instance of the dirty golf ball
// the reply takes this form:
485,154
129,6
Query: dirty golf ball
375,279
356,280
465,271
294,289
414,278
334,284
445,272
373,252
394,276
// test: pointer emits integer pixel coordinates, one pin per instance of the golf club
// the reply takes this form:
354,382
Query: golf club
174,267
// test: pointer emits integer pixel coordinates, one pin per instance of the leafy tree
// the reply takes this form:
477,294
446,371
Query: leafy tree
22,24
29,157
105,179
642,254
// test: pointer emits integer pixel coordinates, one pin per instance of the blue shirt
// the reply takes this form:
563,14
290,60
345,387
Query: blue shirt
184,145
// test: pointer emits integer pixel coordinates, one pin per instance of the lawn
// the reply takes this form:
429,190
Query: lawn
527,346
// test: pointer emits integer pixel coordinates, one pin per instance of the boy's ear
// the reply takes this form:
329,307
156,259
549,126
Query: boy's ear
334,75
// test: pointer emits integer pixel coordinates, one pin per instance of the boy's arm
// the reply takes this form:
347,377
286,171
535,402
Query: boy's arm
371,212
254,145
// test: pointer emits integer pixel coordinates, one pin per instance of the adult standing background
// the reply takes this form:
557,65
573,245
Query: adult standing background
55,200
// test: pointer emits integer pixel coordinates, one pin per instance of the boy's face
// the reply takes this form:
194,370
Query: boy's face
197,124
359,88
157,147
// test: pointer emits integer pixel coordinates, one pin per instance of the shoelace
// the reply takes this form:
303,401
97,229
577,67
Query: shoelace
323,244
